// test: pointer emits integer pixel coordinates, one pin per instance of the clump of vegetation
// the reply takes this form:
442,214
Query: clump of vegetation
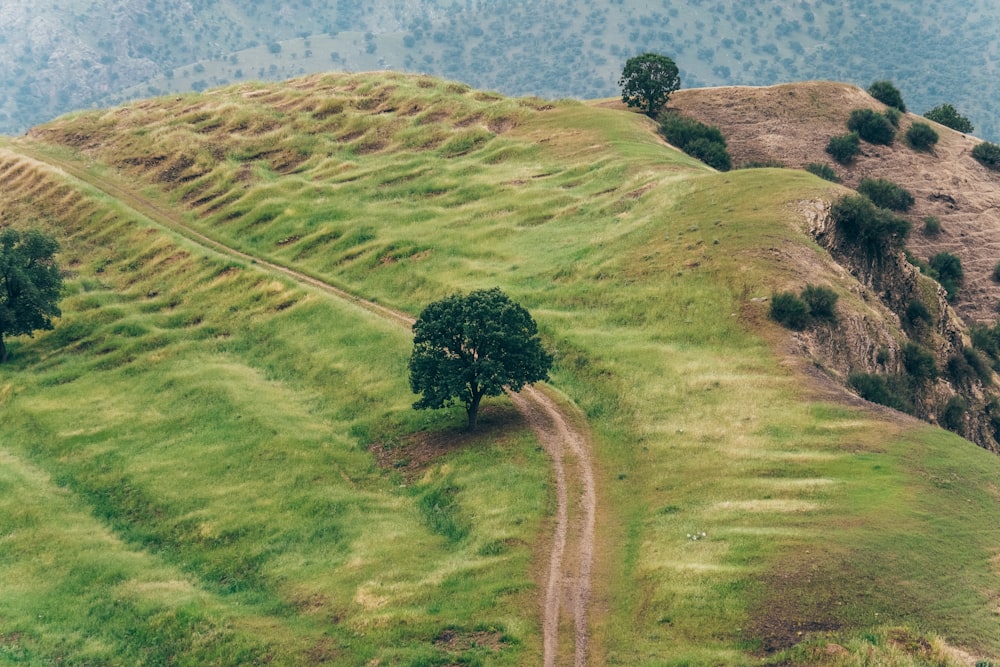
949,272
889,390
932,225
789,310
919,362
988,155
823,170
967,366
872,126
986,339
886,194
30,283
954,413
948,116
822,302
647,82
797,312
887,93
921,136
843,148
874,228
697,139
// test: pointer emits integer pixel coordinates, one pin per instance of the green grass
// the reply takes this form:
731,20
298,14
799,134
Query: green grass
206,414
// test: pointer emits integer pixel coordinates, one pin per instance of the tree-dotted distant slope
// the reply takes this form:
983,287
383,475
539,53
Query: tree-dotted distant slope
751,509
59,56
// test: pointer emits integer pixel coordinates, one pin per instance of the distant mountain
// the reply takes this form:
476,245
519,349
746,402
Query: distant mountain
59,56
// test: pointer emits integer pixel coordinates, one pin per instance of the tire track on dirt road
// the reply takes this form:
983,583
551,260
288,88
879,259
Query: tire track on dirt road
565,614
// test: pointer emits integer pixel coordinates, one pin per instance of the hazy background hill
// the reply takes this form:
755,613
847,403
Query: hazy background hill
58,56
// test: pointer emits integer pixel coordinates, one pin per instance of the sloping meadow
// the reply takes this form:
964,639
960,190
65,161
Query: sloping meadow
218,423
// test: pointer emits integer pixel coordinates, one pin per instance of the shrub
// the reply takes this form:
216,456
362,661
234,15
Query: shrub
953,413
988,155
862,222
789,310
921,136
871,126
886,194
886,93
844,147
893,115
822,302
949,272
932,225
979,365
917,313
882,389
822,170
949,117
701,141
959,369
987,339
712,153
919,363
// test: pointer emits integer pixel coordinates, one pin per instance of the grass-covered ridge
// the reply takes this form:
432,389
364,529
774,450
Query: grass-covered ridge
214,420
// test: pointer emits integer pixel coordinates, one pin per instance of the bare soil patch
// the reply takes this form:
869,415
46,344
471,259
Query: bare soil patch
792,124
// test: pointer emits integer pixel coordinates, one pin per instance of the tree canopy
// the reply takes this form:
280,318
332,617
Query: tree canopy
948,116
648,81
29,283
886,93
469,346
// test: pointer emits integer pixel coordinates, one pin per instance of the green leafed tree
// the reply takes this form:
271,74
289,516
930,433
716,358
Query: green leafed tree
948,116
647,81
30,284
469,346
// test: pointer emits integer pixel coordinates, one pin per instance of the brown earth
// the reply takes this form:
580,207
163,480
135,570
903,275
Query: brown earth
792,123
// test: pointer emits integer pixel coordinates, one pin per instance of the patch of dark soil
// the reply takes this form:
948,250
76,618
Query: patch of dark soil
812,591
420,451
457,640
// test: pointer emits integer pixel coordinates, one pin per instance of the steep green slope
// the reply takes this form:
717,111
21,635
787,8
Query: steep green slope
748,510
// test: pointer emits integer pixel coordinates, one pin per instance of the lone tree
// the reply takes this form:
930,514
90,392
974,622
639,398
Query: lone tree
469,346
886,93
29,283
647,82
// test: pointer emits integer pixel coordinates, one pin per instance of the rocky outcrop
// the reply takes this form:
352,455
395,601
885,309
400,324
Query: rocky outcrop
872,330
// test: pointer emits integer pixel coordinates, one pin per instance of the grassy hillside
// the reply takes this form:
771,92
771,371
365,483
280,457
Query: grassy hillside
195,437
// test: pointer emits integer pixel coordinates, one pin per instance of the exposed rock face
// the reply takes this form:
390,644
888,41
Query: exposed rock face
870,338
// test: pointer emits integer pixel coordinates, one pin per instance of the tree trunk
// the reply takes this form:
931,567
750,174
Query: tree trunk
472,409
3,350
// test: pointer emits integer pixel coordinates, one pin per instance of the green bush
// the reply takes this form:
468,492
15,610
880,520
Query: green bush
822,302
697,139
888,390
953,413
844,148
917,313
886,194
789,310
875,229
979,365
988,155
959,369
921,136
872,126
948,116
893,115
822,170
919,363
886,93
932,225
712,153
949,272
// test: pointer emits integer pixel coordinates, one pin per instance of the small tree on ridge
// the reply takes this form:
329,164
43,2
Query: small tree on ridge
648,81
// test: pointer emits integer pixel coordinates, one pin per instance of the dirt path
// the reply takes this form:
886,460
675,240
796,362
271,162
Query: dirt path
567,593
